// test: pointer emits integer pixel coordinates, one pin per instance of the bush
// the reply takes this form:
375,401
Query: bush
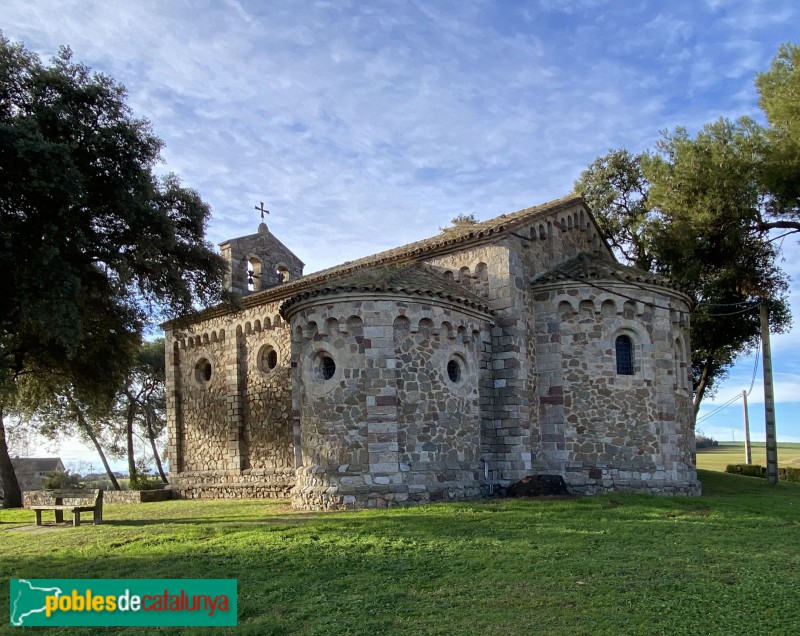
56,479
748,470
701,441
143,482
789,474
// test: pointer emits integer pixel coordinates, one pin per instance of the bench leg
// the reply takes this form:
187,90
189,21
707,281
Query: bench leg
98,516
76,518
38,517
59,516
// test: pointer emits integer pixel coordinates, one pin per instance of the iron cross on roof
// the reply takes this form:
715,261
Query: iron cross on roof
262,210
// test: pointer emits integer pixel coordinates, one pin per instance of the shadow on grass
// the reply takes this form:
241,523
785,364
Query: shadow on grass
289,520
550,566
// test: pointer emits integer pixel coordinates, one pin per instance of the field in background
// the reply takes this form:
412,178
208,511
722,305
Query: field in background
717,457
723,563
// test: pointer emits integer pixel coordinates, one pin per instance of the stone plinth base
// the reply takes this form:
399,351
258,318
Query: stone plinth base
233,484
322,497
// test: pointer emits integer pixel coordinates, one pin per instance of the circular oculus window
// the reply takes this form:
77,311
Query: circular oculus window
327,367
454,371
202,371
267,359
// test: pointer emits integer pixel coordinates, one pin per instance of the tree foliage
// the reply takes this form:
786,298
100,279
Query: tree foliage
56,479
779,98
93,245
616,190
142,405
703,210
460,220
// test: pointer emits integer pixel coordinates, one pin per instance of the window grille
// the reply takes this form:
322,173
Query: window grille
624,349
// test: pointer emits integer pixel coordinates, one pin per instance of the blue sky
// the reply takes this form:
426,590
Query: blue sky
365,125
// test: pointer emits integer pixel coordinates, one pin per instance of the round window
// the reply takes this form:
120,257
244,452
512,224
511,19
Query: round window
202,371
327,367
454,371
267,358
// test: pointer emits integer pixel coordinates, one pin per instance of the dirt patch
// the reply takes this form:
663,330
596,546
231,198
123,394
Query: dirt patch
43,529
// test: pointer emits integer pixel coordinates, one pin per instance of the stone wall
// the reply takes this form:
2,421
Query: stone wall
387,427
232,415
599,429
235,484
556,238
505,392
438,372
43,497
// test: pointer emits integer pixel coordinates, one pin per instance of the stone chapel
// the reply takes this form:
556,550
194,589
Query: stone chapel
438,370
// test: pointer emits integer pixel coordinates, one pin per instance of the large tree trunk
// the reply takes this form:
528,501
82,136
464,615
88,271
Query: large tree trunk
87,428
130,414
700,391
152,437
11,490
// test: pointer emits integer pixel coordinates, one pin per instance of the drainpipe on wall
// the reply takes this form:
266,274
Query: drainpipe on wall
486,477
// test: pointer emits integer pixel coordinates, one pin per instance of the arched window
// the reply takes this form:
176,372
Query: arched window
283,273
253,274
624,349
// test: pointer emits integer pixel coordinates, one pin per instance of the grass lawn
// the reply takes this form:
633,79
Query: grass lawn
717,457
725,563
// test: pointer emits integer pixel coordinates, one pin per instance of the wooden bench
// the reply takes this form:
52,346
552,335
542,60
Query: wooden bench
82,501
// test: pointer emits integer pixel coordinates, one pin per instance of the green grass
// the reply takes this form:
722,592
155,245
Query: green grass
717,457
724,563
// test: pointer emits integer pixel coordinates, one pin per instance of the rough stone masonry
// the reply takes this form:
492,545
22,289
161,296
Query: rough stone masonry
438,370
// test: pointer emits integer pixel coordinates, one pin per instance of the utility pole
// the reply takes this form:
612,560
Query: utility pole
769,398
748,453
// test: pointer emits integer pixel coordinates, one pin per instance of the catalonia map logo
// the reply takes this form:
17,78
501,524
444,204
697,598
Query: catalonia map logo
122,602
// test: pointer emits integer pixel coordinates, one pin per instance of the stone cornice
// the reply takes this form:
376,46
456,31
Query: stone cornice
343,295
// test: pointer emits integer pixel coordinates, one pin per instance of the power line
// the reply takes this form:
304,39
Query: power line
616,293
736,313
752,306
755,368
718,409
703,303
735,397
700,305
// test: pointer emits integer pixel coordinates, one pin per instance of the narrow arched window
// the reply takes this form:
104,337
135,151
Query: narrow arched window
253,274
624,349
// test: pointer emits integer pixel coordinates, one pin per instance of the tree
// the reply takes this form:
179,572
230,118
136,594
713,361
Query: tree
712,200
616,190
143,401
459,221
691,211
12,497
106,247
779,98
56,479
